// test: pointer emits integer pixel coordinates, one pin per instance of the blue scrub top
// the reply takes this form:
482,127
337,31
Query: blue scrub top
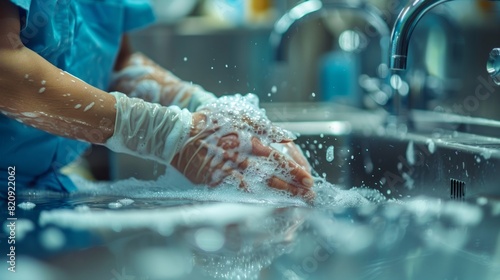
81,37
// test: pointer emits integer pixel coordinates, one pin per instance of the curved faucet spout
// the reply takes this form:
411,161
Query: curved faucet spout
283,27
403,28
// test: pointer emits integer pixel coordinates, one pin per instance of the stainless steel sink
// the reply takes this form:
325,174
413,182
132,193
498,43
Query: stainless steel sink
430,158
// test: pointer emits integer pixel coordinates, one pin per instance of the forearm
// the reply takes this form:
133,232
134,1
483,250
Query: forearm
40,95
141,77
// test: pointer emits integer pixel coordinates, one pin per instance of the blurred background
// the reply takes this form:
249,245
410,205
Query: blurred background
336,55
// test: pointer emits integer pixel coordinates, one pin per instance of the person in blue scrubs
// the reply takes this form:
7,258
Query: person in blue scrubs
61,59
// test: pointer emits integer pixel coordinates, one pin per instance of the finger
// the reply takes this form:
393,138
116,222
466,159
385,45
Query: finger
273,132
229,141
238,177
277,183
280,135
300,175
260,149
243,165
297,155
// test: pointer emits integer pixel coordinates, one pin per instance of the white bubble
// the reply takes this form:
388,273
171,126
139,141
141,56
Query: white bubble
26,205
77,106
41,90
209,239
274,89
23,227
185,58
52,238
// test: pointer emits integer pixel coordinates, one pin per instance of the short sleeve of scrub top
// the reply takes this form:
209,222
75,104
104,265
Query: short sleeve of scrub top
81,37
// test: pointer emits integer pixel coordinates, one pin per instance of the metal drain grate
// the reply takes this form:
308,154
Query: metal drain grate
457,189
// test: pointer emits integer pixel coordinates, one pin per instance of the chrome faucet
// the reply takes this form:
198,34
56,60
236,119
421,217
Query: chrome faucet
403,29
282,28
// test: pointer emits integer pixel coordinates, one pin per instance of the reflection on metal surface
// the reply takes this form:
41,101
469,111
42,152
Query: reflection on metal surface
493,65
403,29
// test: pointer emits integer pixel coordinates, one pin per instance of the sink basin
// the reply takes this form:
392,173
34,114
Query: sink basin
430,160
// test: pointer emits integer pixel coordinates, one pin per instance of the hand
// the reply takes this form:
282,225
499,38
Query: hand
230,139
141,77
294,152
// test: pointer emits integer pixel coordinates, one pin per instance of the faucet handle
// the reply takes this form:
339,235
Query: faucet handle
493,65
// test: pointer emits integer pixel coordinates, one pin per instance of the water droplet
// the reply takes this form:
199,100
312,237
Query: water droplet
125,201
330,154
185,58
115,205
89,106
41,90
410,153
274,89
308,154
77,106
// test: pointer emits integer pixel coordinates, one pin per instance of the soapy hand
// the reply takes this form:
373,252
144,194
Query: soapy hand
142,78
230,142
